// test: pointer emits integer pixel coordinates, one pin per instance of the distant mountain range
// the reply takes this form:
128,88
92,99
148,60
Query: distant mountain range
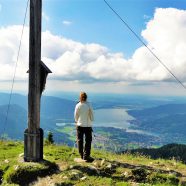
57,108
16,122
170,151
169,121
159,111
52,108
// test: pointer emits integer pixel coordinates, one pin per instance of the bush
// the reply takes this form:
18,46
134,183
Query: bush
49,140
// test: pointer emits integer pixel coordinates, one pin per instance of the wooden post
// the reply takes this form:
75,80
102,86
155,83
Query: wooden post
33,141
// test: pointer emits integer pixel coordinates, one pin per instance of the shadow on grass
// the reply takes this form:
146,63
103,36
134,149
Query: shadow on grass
139,173
107,171
64,184
130,166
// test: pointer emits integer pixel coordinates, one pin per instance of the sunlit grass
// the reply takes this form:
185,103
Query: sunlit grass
64,156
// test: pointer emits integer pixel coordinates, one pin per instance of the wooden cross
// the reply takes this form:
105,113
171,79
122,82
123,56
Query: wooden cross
33,136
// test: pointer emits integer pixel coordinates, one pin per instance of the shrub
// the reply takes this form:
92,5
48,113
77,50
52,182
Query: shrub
49,140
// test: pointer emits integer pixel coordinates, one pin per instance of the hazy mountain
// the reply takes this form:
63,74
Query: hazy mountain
169,121
16,99
15,123
57,108
52,109
170,151
159,111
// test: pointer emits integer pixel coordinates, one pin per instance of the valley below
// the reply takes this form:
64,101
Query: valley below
121,121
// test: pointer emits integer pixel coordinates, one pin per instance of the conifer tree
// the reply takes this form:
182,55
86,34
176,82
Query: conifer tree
50,139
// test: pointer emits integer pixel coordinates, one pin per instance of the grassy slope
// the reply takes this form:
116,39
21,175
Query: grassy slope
108,169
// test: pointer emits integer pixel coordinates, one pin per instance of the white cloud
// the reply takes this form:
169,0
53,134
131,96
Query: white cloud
10,38
74,61
0,7
166,34
65,22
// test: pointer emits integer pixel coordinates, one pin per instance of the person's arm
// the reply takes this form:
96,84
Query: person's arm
91,113
76,114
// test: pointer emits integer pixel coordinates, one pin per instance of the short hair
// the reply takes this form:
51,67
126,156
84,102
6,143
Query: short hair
82,96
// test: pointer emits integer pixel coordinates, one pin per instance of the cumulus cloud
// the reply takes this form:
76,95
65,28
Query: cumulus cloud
10,38
74,61
165,33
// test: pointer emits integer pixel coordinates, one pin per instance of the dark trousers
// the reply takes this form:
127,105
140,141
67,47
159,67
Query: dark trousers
84,151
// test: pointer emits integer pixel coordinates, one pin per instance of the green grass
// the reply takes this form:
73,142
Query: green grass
13,148
105,134
70,130
109,169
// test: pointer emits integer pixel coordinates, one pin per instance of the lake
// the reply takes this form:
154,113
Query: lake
114,117
111,117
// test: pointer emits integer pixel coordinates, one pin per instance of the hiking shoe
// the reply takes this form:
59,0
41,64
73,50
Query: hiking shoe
89,159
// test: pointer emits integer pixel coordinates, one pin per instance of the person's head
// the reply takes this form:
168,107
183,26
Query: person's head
83,97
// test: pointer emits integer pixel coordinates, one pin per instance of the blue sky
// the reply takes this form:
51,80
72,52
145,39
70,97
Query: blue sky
92,22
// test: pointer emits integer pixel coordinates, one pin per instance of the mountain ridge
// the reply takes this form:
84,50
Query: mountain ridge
169,151
164,124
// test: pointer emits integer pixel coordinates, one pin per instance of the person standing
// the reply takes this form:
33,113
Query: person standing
83,116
